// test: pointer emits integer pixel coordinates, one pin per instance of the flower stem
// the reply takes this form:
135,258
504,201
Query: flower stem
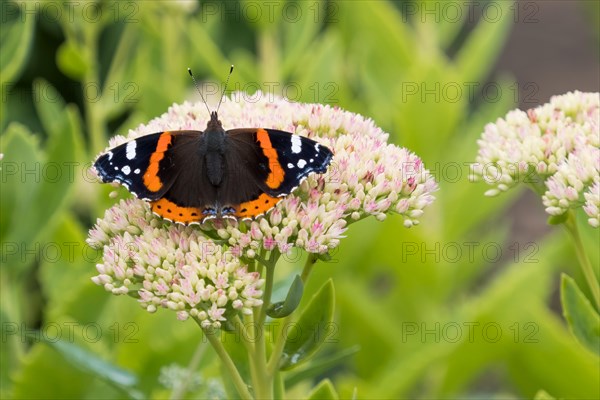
239,383
270,277
263,384
308,265
584,261
279,344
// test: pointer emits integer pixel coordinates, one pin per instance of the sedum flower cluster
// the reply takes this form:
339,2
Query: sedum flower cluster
555,147
179,269
201,270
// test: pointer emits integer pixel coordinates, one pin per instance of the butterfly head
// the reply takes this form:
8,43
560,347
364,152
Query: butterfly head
214,124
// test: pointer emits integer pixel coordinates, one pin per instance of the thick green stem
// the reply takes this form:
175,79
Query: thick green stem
273,363
269,279
237,379
248,338
584,261
263,385
308,265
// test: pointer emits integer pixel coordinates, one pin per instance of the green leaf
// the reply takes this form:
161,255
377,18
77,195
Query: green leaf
446,28
558,219
542,395
45,182
12,348
529,369
56,378
284,308
61,278
15,43
320,366
20,149
479,52
583,320
50,107
324,390
325,257
71,60
91,363
384,35
310,329
448,101
297,37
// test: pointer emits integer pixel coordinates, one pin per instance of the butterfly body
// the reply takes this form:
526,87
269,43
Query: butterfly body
191,176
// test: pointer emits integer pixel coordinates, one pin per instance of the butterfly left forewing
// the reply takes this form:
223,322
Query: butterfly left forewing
137,165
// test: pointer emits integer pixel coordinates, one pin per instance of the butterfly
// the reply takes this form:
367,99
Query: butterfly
192,176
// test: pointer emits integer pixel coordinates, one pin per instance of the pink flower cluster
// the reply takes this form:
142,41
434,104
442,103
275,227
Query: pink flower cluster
556,144
176,268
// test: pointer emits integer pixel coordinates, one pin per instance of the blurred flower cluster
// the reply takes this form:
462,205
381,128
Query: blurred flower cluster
555,147
202,270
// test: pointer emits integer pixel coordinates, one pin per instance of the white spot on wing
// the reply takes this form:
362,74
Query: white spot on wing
126,170
317,147
136,171
301,163
290,165
110,154
296,144
130,150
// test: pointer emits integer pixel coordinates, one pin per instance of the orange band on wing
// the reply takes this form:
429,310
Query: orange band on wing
277,173
252,208
151,179
169,210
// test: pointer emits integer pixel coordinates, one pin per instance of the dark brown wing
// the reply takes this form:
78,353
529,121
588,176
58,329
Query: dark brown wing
243,192
191,193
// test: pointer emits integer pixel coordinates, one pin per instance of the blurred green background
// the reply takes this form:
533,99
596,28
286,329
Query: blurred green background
464,305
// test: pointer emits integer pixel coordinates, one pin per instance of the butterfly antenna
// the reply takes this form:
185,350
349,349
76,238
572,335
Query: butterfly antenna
225,88
198,88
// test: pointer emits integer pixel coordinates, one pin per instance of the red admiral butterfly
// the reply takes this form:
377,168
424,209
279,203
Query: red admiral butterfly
191,176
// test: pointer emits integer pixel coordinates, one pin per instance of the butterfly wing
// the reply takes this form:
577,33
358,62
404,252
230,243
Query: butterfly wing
291,159
152,168
138,165
266,164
